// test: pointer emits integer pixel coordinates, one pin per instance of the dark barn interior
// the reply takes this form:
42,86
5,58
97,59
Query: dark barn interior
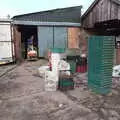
26,33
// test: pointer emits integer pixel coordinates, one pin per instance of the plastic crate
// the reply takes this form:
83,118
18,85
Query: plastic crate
100,63
65,83
98,89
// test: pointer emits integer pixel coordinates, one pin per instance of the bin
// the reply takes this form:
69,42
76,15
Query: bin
72,61
81,68
72,65
81,64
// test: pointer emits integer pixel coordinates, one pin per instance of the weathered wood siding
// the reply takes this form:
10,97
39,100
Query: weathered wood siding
83,37
102,11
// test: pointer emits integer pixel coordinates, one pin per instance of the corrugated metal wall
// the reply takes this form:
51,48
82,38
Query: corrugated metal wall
6,44
49,37
45,39
60,37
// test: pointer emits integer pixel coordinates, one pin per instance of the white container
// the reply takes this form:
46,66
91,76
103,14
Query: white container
55,55
51,81
50,76
41,71
51,85
50,88
55,59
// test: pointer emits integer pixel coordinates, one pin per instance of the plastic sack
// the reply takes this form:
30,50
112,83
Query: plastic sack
116,71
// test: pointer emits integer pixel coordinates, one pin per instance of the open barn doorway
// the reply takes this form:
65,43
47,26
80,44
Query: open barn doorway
26,33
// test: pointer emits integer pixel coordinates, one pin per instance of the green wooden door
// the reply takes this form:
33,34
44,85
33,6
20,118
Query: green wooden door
100,63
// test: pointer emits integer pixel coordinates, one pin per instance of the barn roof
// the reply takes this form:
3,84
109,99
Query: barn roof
70,14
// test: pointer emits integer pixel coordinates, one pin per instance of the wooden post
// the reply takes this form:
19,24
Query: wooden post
118,56
17,43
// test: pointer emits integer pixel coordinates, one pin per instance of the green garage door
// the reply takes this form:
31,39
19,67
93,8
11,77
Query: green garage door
100,63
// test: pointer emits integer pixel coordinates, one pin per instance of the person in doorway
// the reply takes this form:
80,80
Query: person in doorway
31,53
30,43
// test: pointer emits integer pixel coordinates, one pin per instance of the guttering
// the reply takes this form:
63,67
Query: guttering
38,23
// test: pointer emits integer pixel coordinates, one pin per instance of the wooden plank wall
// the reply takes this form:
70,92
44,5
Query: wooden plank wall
102,11
83,39
114,11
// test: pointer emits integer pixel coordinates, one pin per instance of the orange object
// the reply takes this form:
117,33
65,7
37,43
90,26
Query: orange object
32,53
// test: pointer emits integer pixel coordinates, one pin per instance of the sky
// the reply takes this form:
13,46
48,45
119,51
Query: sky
17,7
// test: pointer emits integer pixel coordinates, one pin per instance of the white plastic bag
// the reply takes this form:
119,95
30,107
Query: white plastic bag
63,65
116,71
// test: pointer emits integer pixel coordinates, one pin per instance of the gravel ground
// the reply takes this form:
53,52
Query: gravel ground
22,97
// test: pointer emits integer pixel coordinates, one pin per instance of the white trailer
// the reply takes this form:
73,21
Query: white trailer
6,43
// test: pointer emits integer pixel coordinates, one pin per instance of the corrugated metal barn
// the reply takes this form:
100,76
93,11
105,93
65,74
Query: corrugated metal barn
59,28
6,41
103,18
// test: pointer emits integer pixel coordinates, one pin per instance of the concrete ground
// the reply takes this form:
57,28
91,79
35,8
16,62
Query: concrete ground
22,97
6,68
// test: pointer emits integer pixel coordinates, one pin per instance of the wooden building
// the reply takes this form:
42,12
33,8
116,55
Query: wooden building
103,18
102,11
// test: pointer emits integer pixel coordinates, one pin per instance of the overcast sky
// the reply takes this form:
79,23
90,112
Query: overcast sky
16,7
